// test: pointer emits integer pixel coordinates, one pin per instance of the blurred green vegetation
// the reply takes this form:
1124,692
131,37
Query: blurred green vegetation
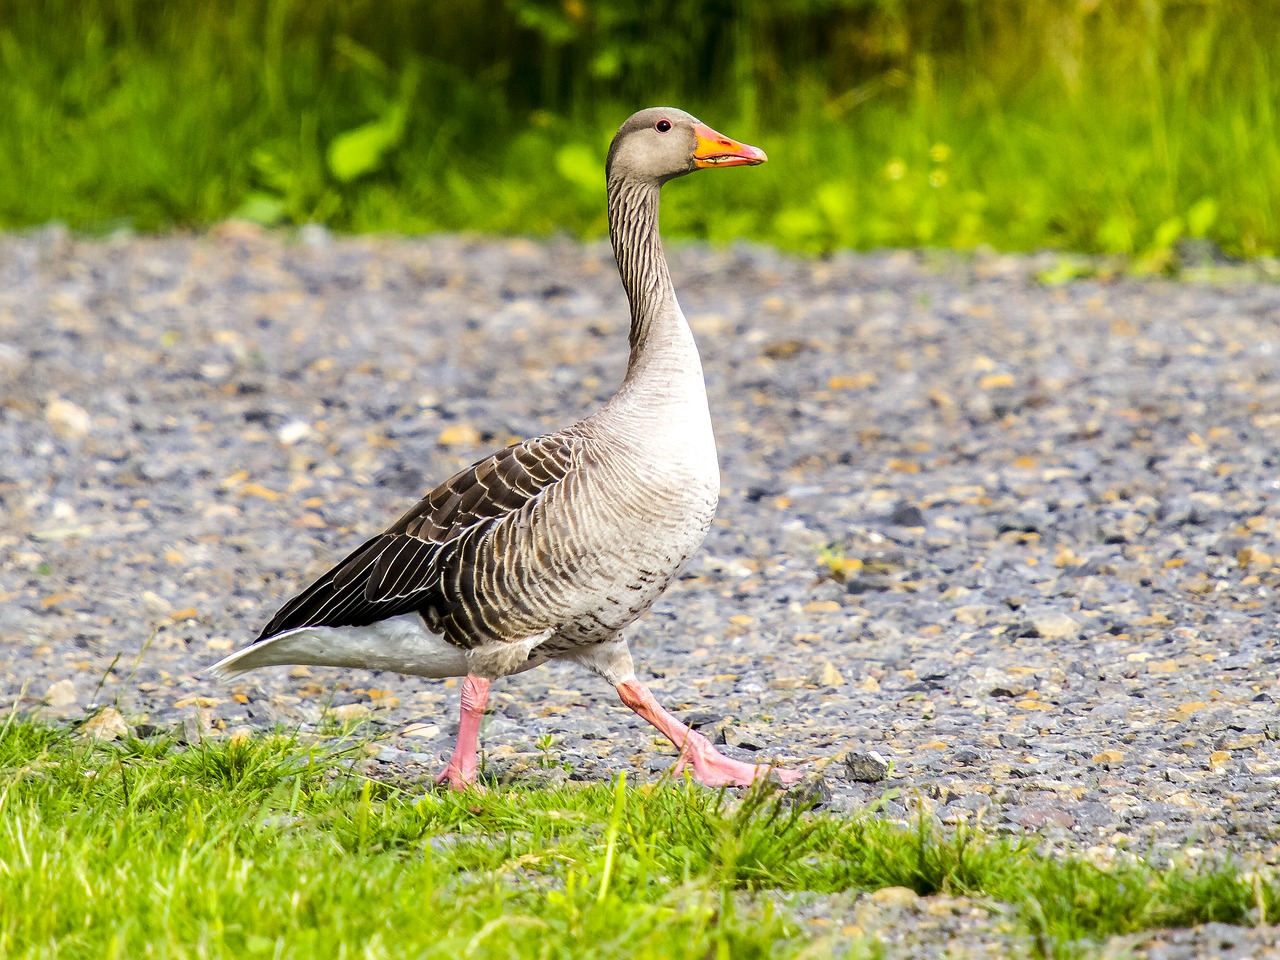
1115,126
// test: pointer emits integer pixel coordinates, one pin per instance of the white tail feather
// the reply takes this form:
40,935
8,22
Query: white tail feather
402,644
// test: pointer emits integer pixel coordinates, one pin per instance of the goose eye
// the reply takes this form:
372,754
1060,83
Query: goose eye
662,126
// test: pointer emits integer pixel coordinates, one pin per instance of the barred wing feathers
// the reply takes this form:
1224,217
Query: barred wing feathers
459,556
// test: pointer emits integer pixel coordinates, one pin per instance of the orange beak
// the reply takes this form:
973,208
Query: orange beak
717,150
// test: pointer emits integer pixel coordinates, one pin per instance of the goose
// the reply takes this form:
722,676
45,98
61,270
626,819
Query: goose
551,547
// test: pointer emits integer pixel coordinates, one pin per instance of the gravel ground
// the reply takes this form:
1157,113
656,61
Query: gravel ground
1019,541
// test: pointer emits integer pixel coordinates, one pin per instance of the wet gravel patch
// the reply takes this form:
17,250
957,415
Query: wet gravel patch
1017,541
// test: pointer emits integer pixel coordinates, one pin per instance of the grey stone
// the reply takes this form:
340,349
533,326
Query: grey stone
866,766
907,515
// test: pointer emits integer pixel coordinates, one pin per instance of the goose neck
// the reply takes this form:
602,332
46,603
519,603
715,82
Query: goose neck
637,246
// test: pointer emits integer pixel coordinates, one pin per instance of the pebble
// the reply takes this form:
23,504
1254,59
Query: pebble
61,693
193,728
866,766
67,420
349,711
1055,625
107,724
292,432
423,730
825,675
894,897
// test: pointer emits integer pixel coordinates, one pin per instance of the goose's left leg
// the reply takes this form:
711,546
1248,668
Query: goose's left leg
709,765
461,770
613,662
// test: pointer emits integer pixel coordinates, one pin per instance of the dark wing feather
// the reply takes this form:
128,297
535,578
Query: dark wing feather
340,597
405,568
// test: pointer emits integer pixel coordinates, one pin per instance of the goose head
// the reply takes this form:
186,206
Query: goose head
662,143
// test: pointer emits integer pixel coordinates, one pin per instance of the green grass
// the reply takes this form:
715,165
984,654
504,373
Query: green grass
1118,127
272,847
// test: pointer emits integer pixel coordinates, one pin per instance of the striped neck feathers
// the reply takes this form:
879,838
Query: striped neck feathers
633,228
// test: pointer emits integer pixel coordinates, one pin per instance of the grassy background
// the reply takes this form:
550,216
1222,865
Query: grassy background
269,847
1093,125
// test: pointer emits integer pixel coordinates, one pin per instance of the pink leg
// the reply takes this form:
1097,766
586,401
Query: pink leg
709,765
461,771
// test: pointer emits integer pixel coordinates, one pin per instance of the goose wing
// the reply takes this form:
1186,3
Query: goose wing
431,559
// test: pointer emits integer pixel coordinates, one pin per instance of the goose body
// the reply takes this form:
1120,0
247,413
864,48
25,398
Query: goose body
552,546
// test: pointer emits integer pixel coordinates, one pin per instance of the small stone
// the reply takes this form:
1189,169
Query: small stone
907,515
459,435
709,324
546,779
717,732
402,478
783,349
694,719
349,711
1253,557
292,432
61,694
941,906
859,585
155,603
1009,688
202,703
866,766
811,792
315,236
825,674
735,736
12,360
240,734
424,730
1055,626
514,710
195,727
1042,815
106,724
974,613
896,897
68,421
300,672
1108,756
